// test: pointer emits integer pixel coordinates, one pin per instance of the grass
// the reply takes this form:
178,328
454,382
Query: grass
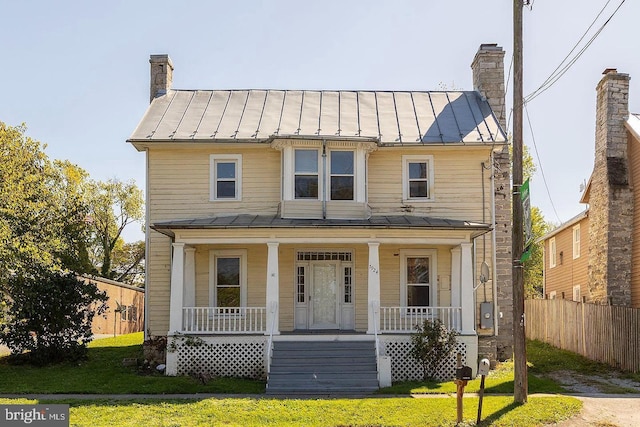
248,412
103,373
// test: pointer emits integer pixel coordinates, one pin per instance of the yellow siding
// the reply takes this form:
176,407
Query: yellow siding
568,271
178,188
158,279
634,168
179,183
457,186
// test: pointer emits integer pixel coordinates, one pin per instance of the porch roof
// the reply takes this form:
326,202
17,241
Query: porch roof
274,221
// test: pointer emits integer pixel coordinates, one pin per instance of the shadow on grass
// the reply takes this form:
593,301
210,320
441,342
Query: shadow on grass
103,373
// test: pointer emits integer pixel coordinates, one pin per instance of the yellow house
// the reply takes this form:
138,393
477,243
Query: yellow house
278,217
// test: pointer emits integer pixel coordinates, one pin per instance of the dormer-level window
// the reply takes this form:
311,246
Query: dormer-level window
329,171
342,175
226,177
417,174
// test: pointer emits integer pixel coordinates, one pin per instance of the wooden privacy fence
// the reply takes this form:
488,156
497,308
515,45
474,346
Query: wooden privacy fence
608,334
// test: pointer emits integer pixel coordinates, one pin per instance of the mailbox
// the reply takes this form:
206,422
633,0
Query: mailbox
483,367
463,373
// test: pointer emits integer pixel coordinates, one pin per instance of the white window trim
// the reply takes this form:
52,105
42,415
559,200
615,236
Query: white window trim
406,159
576,243
552,252
360,165
213,158
432,254
227,253
576,290
319,173
328,176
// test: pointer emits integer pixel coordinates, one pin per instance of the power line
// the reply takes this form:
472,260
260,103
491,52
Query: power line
562,69
544,179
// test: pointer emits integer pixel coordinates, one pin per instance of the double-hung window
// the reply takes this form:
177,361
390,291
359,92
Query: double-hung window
226,177
306,174
342,175
228,280
417,278
576,241
552,252
417,174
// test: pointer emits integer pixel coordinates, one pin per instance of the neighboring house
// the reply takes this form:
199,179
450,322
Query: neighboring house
302,215
595,257
125,312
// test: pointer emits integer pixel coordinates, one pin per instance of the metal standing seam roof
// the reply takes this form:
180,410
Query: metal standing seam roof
274,221
389,117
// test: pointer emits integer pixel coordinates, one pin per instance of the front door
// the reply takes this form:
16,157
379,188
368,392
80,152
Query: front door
324,296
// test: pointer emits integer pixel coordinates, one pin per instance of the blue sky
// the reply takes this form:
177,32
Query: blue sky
77,72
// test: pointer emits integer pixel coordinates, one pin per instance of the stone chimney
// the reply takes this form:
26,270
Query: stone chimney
488,80
161,75
611,199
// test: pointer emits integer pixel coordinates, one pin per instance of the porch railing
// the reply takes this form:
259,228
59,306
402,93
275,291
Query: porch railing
224,320
405,319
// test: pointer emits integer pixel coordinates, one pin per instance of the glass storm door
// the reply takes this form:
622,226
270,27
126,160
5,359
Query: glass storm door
324,296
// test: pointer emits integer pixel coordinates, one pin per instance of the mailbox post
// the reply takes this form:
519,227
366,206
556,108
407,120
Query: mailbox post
483,371
463,375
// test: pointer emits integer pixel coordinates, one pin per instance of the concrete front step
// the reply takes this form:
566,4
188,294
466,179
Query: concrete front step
323,367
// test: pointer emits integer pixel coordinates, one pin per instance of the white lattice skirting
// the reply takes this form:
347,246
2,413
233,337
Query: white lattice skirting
242,357
405,368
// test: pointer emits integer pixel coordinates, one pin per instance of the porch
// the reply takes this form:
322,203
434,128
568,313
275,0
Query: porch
314,290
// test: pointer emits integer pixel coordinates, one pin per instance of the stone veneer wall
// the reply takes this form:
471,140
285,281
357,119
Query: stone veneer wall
610,198
488,79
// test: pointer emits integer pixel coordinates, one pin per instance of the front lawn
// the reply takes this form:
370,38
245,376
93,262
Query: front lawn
248,412
103,373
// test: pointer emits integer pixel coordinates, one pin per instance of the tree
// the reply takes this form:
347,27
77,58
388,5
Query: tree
49,315
533,267
42,208
432,344
113,205
127,262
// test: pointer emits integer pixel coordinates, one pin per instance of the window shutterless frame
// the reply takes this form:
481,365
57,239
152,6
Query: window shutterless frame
417,178
225,177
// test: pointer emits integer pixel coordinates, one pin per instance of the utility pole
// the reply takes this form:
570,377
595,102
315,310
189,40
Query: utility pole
519,341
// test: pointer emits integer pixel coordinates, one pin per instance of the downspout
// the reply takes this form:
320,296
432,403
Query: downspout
493,245
147,232
324,179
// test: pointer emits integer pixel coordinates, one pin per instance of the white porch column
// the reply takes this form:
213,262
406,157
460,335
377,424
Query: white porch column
189,277
177,289
466,290
374,285
175,304
455,279
273,288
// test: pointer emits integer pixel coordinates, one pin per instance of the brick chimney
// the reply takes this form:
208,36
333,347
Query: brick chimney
488,80
611,199
161,75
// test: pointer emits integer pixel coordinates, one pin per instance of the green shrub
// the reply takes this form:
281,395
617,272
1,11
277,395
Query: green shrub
49,315
432,345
